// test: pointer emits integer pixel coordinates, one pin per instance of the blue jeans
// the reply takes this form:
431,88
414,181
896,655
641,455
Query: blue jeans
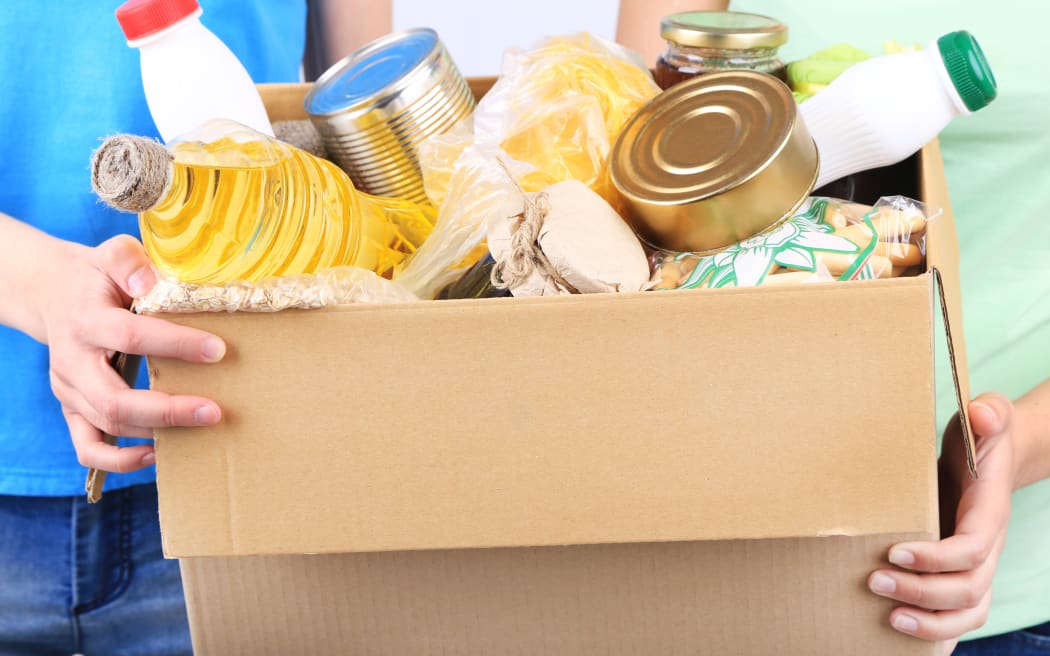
88,579
1034,641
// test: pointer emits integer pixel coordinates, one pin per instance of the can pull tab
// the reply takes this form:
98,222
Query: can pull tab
127,365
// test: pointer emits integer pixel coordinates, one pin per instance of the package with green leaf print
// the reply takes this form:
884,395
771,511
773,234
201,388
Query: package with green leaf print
827,240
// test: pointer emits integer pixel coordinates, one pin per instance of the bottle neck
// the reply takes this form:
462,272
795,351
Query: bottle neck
933,52
189,20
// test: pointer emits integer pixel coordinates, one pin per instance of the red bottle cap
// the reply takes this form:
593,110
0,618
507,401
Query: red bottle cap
141,18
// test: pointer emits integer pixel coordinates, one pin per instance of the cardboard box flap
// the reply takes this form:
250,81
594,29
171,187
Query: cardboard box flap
574,420
942,252
795,597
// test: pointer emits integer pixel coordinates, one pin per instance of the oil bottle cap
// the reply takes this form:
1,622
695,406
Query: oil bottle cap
968,69
141,18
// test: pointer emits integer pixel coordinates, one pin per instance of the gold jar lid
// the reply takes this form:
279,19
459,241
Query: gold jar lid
726,30
713,161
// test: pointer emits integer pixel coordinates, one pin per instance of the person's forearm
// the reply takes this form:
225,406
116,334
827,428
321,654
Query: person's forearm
1032,433
346,25
638,23
25,256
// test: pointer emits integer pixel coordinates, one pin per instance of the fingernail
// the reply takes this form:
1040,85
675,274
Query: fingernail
902,557
213,349
140,281
882,584
905,623
981,406
149,458
206,415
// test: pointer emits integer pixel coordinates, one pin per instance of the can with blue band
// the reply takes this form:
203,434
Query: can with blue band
376,106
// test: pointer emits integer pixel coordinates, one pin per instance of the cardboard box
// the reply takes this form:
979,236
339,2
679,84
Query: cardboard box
688,472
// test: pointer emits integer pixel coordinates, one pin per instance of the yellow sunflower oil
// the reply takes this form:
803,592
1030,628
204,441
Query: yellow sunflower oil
244,206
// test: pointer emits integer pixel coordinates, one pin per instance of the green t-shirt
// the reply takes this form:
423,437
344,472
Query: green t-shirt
997,162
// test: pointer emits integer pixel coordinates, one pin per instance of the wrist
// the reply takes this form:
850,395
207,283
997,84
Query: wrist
47,277
29,261
1031,436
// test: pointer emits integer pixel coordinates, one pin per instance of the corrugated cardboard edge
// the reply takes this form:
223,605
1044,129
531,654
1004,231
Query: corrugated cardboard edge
791,597
942,247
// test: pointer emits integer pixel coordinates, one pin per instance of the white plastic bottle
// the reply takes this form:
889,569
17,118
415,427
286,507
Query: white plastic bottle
884,109
188,73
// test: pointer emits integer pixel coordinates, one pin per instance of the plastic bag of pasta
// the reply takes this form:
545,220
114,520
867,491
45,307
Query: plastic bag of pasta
552,116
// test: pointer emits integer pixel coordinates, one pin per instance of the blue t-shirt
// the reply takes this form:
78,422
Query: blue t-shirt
68,78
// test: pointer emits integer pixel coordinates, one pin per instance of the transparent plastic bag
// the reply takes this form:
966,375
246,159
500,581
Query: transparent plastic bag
560,106
552,116
828,239
475,190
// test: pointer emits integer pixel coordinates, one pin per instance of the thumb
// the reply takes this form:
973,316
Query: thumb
124,260
990,413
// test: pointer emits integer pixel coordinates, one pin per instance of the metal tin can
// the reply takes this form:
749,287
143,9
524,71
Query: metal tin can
376,106
713,161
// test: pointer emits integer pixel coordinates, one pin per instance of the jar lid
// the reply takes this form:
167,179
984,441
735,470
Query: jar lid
968,68
714,160
727,30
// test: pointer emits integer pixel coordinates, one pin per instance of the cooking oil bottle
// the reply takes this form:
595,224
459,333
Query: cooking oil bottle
234,204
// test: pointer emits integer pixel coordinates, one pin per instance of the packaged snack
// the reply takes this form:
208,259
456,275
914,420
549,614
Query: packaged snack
828,240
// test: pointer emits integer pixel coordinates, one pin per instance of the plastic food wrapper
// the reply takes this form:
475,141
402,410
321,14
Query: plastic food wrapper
893,47
828,239
335,286
808,76
560,106
552,116
473,190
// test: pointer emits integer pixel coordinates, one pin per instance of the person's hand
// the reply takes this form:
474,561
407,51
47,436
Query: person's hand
83,309
947,584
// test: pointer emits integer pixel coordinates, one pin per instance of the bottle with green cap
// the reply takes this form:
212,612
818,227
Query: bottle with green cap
884,109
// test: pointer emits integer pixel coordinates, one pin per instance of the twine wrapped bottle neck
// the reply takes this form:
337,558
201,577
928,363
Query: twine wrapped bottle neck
131,173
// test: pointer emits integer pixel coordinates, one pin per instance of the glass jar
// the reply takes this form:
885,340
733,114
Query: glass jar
701,42
475,283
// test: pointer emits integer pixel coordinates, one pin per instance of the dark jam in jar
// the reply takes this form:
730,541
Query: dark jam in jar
475,283
700,42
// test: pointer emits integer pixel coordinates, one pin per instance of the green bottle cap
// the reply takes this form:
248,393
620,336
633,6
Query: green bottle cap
968,69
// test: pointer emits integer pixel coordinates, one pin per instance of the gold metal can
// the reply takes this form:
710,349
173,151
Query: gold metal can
376,106
713,161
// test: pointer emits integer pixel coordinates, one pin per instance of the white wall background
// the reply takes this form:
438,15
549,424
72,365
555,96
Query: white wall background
476,33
